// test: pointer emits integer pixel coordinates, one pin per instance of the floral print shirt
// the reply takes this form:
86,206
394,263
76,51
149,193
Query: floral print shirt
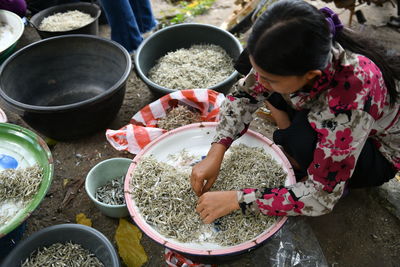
348,104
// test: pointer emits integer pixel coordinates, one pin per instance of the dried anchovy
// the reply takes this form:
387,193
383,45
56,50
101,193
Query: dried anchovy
200,66
6,33
62,255
164,197
65,21
21,183
177,117
246,167
112,193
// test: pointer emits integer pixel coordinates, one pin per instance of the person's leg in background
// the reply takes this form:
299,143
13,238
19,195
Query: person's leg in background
143,14
124,28
16,6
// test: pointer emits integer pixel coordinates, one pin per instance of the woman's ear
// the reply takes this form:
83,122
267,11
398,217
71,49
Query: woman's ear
310,75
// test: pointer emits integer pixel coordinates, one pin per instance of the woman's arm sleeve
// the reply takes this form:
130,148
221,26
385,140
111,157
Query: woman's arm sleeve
334,160
238,108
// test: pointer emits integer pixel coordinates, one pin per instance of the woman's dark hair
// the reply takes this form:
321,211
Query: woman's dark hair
292,37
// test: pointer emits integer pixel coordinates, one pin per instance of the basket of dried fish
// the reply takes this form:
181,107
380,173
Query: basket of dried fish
161,202
72,18
64,245
26,171
167,113
105,186
188,56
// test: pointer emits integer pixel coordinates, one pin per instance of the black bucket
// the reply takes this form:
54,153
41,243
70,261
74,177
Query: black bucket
75,87
89,238
88,8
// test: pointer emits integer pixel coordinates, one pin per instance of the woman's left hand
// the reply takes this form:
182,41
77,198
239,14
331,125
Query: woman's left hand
212,205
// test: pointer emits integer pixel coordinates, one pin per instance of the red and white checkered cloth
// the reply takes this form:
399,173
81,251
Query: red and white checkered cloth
175,259
142,128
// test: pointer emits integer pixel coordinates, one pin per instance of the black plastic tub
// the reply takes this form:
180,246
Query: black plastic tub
89,238
68,86
88,8
180,36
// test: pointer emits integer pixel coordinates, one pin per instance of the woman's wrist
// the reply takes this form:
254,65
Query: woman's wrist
217,152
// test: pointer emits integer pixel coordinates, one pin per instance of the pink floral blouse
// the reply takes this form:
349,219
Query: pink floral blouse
348,104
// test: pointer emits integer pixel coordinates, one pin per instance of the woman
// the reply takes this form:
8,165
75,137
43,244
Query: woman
334,97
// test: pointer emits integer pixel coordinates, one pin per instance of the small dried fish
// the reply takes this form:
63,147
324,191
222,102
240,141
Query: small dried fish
177,117
62,255
65,21
21,183
165,199
200,66
112,193
17,189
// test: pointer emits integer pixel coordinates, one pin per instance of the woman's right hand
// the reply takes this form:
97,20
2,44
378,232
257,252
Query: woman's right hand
207,170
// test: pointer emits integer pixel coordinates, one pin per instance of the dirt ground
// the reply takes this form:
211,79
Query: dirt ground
359,232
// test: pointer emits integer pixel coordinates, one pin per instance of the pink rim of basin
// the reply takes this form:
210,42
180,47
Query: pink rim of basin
151,232
3,116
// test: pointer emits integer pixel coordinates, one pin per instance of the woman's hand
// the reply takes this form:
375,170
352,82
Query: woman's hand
207,170
212,205
281,117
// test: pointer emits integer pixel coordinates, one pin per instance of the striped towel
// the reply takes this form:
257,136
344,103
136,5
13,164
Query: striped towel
142,128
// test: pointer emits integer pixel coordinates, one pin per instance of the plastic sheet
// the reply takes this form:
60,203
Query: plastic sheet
293,245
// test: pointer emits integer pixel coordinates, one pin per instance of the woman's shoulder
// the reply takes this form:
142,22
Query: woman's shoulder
349,64
355,82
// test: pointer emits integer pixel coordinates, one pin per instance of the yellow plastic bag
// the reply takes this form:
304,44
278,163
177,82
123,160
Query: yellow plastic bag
128,239
82,219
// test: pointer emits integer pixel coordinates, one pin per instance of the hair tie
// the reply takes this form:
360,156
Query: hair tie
335,25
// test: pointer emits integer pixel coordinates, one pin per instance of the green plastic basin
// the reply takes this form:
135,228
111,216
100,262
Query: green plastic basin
27,148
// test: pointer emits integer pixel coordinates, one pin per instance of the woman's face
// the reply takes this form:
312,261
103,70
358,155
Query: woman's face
284,84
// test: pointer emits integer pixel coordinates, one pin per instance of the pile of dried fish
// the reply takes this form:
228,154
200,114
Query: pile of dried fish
200,66
112,193
21,183
65,21
61,255
165,199
17,188
177,117
6,35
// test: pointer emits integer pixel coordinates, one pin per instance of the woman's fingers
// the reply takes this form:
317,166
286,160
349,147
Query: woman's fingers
213,205
207,186
197,184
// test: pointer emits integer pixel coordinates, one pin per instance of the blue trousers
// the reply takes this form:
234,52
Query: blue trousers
128,20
